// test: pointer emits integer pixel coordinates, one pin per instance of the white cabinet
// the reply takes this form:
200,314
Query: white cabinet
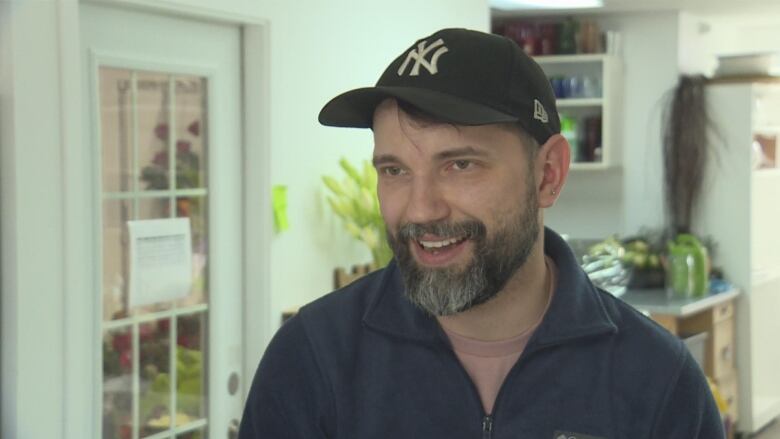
597,82
741,210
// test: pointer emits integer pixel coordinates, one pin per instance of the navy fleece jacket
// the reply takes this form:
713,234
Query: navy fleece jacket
363,362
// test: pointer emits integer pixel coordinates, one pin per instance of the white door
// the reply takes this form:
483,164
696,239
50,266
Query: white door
164,96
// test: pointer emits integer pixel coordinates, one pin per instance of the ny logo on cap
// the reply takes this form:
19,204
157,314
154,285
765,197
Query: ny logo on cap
540,113
419,55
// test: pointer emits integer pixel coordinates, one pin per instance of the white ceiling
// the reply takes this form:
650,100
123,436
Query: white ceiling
693,6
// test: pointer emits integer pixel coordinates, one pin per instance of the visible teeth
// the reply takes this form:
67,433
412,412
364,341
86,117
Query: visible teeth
439,244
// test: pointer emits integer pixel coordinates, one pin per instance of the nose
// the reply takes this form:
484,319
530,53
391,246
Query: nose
427,202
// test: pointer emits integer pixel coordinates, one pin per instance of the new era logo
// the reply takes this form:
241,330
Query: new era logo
419,56
540,114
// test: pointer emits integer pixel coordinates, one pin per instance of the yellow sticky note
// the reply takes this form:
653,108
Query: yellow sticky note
279,199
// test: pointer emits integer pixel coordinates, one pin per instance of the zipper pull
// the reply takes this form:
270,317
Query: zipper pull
487,427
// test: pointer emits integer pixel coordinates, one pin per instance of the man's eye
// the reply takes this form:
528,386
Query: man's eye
461,165
392,171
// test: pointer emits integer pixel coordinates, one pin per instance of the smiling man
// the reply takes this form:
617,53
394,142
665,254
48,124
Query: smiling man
484,325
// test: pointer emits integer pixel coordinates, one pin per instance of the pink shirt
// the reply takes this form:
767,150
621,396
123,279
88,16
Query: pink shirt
489,362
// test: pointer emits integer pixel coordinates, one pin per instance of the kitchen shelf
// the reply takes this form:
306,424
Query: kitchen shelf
604,70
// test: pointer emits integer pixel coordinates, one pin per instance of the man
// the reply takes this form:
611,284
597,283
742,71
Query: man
484,325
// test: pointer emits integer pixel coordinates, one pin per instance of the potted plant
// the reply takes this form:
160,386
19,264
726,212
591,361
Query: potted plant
354,200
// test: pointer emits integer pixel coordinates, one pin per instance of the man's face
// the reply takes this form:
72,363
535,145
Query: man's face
460,207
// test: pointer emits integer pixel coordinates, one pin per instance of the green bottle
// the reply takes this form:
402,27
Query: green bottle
569,131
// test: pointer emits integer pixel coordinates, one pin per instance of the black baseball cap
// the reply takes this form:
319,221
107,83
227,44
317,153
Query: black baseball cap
460,76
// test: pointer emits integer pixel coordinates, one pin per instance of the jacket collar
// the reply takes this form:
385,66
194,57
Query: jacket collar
576,310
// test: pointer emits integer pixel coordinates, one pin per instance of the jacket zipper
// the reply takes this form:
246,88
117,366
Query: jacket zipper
487,427
487,418
487,421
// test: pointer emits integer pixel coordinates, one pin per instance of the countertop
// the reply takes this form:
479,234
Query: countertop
656,302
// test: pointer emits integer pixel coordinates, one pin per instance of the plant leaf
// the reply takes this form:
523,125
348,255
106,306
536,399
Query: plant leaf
350,170
333,185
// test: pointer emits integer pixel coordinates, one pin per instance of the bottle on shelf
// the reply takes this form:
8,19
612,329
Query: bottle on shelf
567,43
569,131
592,143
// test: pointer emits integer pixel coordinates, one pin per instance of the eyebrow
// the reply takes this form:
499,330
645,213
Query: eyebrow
444,155
383,159
460,152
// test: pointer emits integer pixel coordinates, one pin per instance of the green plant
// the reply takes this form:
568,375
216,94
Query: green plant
355,201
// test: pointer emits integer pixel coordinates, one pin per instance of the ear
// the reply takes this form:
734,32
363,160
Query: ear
552,169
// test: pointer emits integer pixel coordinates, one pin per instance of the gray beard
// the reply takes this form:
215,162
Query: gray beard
452,290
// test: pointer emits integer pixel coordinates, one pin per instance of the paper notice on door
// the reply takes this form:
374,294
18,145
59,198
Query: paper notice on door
160,260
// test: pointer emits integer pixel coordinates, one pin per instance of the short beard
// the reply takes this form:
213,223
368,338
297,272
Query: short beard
451,290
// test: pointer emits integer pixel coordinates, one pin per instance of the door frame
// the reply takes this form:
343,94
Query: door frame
62,302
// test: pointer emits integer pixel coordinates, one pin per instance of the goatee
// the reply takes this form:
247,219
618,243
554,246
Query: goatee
451,290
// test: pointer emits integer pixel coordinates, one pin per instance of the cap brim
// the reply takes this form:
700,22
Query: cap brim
356,108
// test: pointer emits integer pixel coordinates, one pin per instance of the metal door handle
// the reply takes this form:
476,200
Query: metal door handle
233,429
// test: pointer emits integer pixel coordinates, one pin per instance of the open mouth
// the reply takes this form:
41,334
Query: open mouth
439,252
440,245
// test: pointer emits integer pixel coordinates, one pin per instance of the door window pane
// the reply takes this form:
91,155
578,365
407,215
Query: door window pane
155,382
191,344
154,208
154,130
195,434
116,129
190,132
195,208
117,383
154,356
116,265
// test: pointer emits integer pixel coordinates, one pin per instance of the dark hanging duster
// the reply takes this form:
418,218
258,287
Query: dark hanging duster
685,127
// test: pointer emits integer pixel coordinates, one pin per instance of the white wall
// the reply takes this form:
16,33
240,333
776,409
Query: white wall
650,44
713,34
32,250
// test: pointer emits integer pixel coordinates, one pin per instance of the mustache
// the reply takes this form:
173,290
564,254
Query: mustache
470,229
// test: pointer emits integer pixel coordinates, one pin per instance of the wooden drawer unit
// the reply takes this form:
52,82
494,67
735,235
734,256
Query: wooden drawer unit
724,311
715,315
720,349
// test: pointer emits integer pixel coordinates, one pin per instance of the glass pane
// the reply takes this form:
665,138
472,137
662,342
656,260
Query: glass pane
155,363
153,109
190,116
195,208
116,129
117,384
149,129
191,346
116,264
195,434
154,208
